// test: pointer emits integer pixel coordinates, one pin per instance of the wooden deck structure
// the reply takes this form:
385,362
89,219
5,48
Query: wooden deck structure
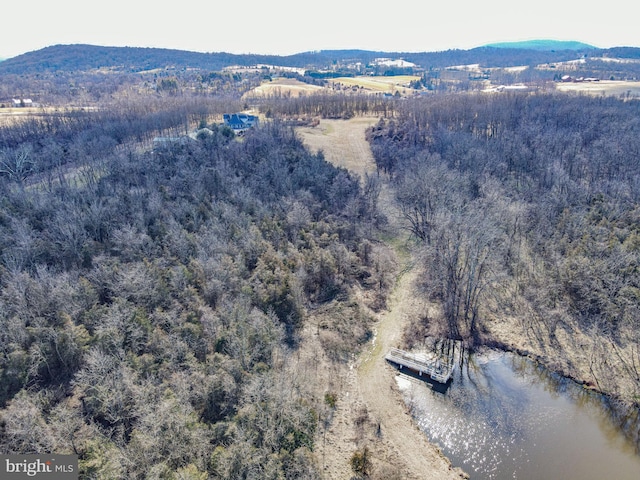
436,368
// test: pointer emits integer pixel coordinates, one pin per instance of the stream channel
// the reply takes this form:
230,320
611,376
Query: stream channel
503,417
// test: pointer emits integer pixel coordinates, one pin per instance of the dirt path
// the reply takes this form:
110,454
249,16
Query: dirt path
370,411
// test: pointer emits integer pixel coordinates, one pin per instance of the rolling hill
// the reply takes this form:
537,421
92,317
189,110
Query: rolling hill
91,58
544,45
84,58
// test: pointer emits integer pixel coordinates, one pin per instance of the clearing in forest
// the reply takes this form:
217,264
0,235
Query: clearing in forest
368,396
381,84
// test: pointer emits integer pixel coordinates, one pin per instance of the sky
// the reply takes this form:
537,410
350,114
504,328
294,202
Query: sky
284,27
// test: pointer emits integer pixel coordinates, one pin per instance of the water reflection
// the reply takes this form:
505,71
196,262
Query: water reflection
504,417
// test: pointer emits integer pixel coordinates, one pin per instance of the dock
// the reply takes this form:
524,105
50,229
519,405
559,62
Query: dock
436,368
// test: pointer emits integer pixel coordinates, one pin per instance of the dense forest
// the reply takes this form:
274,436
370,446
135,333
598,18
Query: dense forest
526,206
152,300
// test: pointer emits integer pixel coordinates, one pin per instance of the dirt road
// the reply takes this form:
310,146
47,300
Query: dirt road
370,411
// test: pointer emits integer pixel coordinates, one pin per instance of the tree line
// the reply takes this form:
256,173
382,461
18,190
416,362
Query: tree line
325,105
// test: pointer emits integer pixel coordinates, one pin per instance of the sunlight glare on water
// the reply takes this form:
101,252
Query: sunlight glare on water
504,418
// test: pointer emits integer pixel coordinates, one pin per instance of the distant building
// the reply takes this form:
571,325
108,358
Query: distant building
388,62
239,122
22,102
507,88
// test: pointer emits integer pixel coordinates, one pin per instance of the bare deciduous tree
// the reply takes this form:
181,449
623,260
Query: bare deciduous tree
18,163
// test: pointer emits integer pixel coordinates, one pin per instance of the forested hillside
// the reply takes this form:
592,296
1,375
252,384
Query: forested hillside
152,301
85,58
526,208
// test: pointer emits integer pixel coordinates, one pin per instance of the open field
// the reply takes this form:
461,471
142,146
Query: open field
294,88
8,115
603,87
377,84
285,87
342,143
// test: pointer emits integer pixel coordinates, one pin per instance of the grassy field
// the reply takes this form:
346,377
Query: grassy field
8,115
603,87
294,88
400,83
285,87
378,84
342,143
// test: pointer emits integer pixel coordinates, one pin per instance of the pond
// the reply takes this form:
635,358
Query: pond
503,417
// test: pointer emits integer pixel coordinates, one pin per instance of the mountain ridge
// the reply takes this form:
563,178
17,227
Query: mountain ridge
86,58
544,45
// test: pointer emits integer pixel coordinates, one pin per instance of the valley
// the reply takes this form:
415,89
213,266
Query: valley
182,296
367,387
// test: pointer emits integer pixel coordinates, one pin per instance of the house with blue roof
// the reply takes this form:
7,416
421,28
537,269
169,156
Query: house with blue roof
240,122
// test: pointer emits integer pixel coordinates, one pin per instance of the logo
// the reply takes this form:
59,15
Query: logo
50,467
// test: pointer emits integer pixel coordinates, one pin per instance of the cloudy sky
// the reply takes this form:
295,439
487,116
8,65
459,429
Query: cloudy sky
291,26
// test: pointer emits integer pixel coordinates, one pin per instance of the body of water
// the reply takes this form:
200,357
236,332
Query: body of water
503,417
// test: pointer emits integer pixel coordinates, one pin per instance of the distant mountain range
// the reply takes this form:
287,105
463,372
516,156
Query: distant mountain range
91,58
544,45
